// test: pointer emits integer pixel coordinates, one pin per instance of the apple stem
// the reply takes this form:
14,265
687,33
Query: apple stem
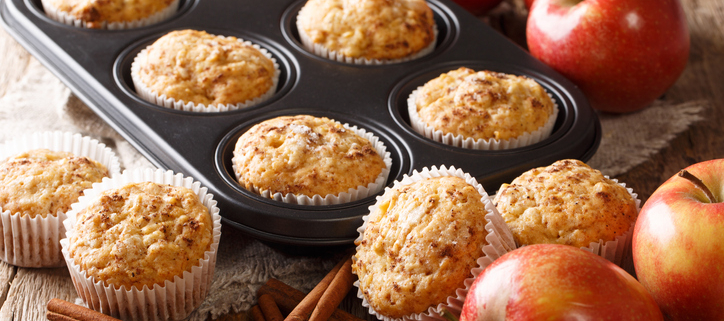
698,183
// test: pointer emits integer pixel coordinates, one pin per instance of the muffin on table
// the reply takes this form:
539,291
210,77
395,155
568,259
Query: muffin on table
110,14
423,242
310,160
193,70
39,180
147,236
367,31
482,110
569,203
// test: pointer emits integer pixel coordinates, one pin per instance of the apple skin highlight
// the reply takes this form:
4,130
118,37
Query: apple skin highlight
622,54
556,282
678,248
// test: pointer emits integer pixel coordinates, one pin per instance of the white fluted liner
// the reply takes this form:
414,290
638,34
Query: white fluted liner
153,97
175,299
351,194
35,242
64,17
525,139
500,241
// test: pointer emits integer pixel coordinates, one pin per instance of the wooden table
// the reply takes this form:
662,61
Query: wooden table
24,293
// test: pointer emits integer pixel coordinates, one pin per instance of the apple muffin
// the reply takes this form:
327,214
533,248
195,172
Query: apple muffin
197,71
419,244
371,30
307,155
109,14
42,182
140,234
482,106
566,203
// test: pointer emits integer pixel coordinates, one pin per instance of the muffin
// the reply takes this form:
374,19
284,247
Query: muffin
482,110
39,180
310,160
146,236
367,31
195,71
568,203
423,242
110,14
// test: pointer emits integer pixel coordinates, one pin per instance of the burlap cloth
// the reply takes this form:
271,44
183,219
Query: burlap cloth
40,102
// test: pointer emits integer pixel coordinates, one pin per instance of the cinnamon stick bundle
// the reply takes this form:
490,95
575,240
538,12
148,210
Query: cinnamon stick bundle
335,293
287,297
305,308
60,310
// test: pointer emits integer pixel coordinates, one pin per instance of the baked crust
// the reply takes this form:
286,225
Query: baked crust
44,182
95,12
304,155
141,234
483,104
419,245
565,203
194,66
371,29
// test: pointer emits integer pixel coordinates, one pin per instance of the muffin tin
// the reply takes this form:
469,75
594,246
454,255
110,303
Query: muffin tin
95,65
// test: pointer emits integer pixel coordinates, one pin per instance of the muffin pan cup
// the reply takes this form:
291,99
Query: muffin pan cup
95,65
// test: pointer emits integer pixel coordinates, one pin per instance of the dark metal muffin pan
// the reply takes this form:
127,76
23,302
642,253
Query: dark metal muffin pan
95,65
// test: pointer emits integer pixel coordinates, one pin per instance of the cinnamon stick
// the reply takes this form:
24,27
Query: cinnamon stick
304,309
287,297
269,308
60,310
335,293
256,313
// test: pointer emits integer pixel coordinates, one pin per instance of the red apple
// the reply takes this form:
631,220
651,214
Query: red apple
529,3
556,282
678,243
623,54
478,7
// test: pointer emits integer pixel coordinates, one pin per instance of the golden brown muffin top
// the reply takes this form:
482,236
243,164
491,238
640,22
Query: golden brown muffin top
419,245
483,104
141,234
95,12
194,66
371,29
43,182
568,203
305,155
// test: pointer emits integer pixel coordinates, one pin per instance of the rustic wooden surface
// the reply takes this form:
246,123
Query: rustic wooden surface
24,293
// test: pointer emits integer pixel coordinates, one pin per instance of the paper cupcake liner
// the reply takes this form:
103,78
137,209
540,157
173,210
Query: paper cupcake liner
321,51
153,97
64,17
500,241
352,194
525,139
175,299
617,251
34,242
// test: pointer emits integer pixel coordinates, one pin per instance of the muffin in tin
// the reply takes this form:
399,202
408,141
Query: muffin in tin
41,175
110,14
482,110
193,70
568,203
142,246
423,242
367,31
311,160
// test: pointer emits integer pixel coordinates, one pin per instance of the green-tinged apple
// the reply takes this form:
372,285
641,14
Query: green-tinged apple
556,282
678,243
478,7
623,54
